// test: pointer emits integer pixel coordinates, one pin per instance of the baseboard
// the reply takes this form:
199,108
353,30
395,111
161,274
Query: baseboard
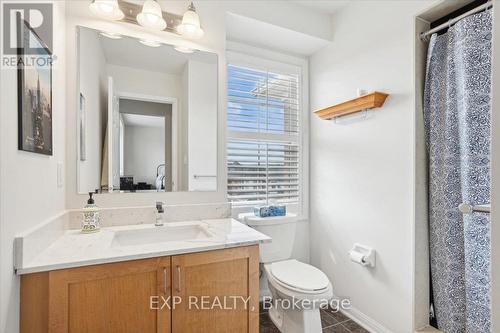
366,322
429,329
375,327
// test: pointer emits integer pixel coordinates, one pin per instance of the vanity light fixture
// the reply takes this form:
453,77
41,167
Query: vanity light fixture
190,26
150,43
183,49
107,9
151,16
111,35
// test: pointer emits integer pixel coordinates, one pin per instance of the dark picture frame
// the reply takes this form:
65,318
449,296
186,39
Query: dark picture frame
34,91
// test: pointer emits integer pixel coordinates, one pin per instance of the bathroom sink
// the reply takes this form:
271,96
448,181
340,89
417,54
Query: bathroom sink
161,234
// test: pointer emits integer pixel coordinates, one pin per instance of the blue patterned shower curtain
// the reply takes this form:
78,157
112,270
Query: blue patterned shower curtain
457,120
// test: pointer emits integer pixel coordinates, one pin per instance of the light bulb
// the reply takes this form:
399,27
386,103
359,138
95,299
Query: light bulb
190,26
151,16
107,9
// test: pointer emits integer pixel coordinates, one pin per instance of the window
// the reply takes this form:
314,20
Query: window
263,127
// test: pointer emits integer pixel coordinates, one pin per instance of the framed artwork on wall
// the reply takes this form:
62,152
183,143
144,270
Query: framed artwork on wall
34,90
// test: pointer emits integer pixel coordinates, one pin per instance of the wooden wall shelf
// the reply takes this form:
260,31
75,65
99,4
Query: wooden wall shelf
373,100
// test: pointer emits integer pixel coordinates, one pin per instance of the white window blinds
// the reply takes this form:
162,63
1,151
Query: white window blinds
263,123
262,102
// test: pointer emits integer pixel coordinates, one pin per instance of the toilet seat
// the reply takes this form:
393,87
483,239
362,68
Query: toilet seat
300,277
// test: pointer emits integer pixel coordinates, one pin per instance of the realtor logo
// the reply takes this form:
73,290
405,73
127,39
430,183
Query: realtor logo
37,15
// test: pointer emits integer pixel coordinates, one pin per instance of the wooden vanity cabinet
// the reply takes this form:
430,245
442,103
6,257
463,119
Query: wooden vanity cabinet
116,297
219,289
101,298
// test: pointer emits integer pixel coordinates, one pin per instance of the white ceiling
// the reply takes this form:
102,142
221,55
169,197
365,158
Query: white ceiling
323,6
130,53
269,36
143,120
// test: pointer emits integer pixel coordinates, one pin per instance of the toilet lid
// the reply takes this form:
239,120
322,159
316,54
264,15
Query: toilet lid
299,275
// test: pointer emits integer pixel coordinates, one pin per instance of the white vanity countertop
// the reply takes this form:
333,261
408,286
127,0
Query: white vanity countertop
74,248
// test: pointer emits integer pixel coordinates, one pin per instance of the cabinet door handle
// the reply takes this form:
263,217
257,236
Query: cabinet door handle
165,281
178,278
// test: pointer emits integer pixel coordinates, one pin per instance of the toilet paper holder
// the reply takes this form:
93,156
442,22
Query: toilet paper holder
363,255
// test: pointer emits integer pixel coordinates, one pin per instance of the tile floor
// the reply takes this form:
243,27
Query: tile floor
332,322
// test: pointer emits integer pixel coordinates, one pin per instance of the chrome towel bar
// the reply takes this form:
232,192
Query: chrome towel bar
466,208
204,176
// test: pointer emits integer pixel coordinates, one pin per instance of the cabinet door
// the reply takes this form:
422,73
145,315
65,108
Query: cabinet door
111,298
218,291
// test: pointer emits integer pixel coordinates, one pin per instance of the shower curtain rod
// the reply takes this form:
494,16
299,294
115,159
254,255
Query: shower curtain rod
448,24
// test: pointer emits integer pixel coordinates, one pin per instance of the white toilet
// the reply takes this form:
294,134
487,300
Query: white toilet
290,281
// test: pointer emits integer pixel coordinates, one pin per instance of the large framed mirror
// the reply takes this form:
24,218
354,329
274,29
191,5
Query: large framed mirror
147,115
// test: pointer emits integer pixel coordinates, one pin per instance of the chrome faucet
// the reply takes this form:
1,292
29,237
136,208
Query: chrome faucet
159,214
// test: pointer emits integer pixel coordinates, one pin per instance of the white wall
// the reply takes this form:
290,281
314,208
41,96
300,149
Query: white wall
29,193
202,125
137,81
144,151
361,182
93,86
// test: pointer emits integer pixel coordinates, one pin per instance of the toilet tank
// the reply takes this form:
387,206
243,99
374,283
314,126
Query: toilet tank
282,231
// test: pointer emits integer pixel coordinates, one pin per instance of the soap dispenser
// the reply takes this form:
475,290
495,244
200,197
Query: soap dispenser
91,220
